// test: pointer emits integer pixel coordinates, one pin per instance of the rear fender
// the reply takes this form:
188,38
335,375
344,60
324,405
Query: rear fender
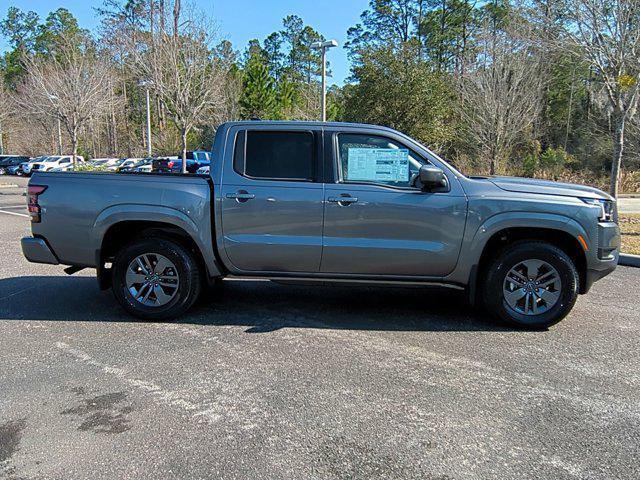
145,213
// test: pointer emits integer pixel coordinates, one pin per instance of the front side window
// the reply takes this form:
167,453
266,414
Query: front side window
375,159
276,155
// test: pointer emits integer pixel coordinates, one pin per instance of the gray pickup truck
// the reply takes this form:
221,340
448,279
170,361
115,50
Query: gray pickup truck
326,202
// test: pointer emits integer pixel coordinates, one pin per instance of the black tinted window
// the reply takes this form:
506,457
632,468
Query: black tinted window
286,155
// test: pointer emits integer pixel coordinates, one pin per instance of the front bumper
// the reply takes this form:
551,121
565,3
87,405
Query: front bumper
36,250
605,258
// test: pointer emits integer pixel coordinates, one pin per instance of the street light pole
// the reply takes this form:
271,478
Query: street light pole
323,46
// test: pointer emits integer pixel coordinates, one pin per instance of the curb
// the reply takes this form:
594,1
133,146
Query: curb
628,260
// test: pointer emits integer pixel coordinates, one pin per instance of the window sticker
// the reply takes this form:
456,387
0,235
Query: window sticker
378,164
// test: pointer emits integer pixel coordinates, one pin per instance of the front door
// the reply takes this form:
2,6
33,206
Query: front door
377,224
272,202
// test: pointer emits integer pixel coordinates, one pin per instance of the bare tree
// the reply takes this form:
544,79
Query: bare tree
502,91
607,35
4,115
181,70
73,87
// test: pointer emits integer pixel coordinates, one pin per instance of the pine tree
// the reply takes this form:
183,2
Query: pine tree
259,95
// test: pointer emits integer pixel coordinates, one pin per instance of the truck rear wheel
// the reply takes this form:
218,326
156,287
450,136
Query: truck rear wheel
155,279
530,285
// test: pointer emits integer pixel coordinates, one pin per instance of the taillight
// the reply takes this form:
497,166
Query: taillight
34,209
170,164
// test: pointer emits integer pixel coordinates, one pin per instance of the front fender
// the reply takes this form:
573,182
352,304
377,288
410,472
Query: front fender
475,242
200,234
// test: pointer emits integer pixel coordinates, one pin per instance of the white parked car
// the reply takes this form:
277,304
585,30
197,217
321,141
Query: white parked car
145,166
104,162
59,163
123,163
203,170
26,167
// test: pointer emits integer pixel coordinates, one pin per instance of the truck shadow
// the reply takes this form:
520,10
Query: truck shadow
261,306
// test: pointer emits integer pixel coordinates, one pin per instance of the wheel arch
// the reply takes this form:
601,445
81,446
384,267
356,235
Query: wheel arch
561,239
113,230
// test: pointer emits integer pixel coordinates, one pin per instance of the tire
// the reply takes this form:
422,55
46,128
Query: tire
177,268
521,302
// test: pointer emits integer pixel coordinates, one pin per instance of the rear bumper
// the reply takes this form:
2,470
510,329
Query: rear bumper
36,250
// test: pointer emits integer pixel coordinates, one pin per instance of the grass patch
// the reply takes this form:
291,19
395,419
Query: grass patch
630,229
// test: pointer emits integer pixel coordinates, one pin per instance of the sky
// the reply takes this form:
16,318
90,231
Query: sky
239,20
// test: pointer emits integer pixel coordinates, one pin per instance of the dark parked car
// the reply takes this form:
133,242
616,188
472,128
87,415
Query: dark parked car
195,160
10,165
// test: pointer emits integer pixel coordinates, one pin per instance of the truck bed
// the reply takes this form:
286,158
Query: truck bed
78,209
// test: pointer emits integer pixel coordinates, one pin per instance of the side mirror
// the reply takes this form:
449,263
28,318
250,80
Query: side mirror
430,177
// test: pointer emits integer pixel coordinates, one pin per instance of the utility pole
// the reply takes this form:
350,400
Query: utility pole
1,142
323,46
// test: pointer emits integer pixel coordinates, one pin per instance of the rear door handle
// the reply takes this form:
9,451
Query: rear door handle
241,196
343,201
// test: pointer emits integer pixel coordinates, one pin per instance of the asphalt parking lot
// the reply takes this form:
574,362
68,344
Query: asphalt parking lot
270,381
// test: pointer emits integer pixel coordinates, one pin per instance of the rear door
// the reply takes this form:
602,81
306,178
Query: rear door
376,223
272,200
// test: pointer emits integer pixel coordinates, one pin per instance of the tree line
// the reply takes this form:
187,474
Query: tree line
541,88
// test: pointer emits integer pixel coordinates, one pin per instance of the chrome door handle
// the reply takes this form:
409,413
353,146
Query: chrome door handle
241,196
343,201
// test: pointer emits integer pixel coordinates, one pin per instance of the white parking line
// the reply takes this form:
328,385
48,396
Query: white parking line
15,213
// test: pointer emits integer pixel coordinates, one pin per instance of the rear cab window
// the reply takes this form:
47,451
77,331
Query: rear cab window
276,155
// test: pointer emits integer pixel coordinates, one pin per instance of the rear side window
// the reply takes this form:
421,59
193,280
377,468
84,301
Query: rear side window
276,155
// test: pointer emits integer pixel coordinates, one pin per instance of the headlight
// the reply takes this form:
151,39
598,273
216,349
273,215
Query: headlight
606,207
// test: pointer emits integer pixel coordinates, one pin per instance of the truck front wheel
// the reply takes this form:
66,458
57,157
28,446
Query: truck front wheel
155,279
531,285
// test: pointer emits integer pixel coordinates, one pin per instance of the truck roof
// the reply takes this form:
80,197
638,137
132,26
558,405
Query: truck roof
310,123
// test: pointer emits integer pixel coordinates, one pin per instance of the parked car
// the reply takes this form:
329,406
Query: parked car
327,203
62,162
9,165
104,162
145,166
26,166
130,164
123,163
195,160
172,165
204,170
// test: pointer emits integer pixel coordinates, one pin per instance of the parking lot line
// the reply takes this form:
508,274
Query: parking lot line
15,213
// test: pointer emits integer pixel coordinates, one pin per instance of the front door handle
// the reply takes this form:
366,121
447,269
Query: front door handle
241,196
343,201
